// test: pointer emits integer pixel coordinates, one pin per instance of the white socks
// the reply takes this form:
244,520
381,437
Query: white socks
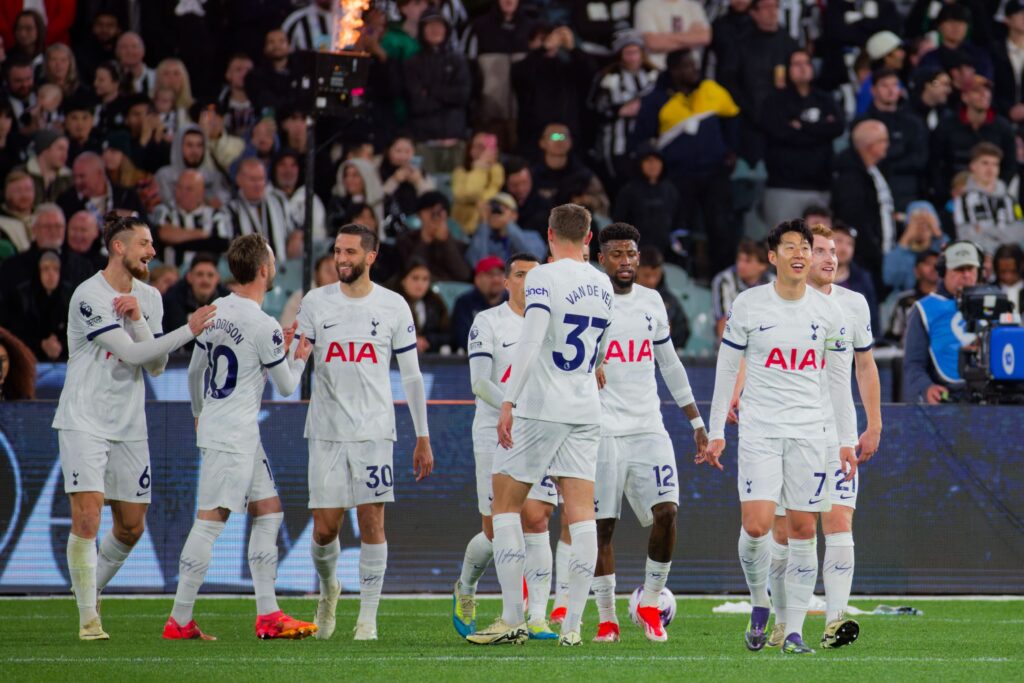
756,558
192,566
604,596
263,560
82,567
479,552
563,551
111,557
537,570
777,579
510,563
655,578
801,575
325,559
581,571
837,573
373,561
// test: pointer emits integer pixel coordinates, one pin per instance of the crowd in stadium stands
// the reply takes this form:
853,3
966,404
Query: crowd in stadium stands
701,122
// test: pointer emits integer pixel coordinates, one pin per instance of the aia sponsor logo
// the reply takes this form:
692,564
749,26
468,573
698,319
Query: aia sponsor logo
633,352
794,359
351,352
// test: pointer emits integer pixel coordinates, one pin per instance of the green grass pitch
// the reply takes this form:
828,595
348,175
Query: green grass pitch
953,641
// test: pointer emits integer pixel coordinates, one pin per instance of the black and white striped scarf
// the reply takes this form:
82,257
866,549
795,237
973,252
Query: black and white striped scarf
271,218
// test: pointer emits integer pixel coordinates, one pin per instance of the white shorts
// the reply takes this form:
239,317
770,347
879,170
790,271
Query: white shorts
641,466
233,480
555,449
117,469
790,472
485,443
841,492
344,474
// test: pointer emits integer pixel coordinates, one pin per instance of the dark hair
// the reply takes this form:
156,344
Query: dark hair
114,225
432,198
570,222
519,256
40,23
17,61
113,68
676,56
651,257
515,165
885,72
20,383
752,248
245,256
618,231
204,257
797,225
1009,251
986,149
367,238
817,210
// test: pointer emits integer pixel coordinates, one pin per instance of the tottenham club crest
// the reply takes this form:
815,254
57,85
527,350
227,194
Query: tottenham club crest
85,309
374,322
277,338
814,331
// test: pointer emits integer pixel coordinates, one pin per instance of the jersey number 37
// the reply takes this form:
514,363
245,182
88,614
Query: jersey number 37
580,324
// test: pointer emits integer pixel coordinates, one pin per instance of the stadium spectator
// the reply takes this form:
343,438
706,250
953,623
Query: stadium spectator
21,94
48,233
61,69
150,149
260,209
83,238
651,274
694,123
123,173
926,279
986,213
261,144
478,178
172,94
650,201
670,25
488,291
800,124
954,23
17,369
188,224
921,234
818,215
200,286
402,178
324,273
92,190
850,274
437,88
1008,263
428,310
16,212
113,106
131,54
906,159
223,148
189,151
37,310
615,98
286,176
754,72
433,243
929,99
885,50
100,43
29,36
726,30
861,196
956,136
234,100
47,165
500,235
163,278
560,175
269,84
357,183
12,144
750,270
551,85
80,125
532,208
309,27
1008,64
933,340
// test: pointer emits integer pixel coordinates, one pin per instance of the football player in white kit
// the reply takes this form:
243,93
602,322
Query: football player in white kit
226,377
554,395
635,457
356,326
491,345
113,324
785,330
837,524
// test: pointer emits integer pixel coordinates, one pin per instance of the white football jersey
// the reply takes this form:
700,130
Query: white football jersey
103,396
242,342
561,386
629,400
785,343
857,337
353,340
494,334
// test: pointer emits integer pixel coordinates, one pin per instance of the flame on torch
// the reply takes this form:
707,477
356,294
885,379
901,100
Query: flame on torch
348,19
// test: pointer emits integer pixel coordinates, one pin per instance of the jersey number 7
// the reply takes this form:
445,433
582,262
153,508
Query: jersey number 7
580,325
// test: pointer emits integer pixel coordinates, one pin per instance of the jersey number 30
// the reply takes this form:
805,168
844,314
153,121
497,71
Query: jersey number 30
215,356
580,323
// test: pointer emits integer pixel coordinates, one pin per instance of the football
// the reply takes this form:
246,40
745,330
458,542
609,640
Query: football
666,605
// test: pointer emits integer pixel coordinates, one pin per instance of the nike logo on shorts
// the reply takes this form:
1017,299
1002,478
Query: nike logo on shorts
662,493
842,497
139,494
382,493
814,502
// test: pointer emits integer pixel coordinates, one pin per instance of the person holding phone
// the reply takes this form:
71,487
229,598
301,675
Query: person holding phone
479,178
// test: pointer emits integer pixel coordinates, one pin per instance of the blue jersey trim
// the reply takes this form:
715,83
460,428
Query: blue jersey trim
276,362
95,333
662,341
410,347
537,305
866,348
733,344
480,354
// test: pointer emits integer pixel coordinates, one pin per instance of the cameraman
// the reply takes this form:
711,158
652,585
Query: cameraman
936,333
500,235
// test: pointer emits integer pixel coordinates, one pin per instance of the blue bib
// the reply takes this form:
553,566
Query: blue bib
946,335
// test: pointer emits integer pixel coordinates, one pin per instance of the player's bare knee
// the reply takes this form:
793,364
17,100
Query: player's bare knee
605,530
130,534
664,515
779,531
756,527
838,521
488,527
371,523
324,530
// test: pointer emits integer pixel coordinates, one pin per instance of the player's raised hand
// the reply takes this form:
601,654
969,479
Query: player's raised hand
867,445
711,454
201,319
505,426
848,462
304,348
127,306
422,458
700,438
289,335
599,373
